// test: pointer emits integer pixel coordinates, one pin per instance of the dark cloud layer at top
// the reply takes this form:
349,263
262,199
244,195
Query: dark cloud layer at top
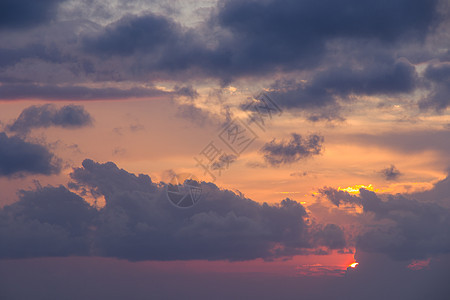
26,13
269,35
293,34
139,223
44,116
238,39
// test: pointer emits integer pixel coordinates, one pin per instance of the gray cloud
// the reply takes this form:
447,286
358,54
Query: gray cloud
390,173
293,150
19,157
44,116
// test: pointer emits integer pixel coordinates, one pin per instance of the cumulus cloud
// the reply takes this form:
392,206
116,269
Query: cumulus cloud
400,227
138,222
18,157
293,150
48,115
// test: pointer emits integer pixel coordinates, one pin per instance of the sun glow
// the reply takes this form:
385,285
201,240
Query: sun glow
355,189
353,265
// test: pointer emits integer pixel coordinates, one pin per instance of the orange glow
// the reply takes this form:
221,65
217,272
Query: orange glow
353,265
355,189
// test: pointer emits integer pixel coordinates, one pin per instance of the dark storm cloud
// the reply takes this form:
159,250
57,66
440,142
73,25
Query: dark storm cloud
293,150
51,92
44,116
19,157
139,223
26,13
390,173
402,228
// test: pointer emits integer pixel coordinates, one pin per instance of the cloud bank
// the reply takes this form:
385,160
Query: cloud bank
138,222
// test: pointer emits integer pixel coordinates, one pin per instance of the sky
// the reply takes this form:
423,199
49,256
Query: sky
224,149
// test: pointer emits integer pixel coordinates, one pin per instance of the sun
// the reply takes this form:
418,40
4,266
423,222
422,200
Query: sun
353,265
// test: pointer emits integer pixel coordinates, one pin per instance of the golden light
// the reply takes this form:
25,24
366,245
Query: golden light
355,189
353,265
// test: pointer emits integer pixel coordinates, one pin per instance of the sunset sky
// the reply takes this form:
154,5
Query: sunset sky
314,137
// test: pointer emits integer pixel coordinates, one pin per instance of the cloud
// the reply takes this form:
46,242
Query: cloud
53,92
294,34
331,236
137,222
390,173
18,157
26,13
439,76
250,38
288,152
326,88
319,46
399,227
50,221
187,91
48,115
156,43
134,33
